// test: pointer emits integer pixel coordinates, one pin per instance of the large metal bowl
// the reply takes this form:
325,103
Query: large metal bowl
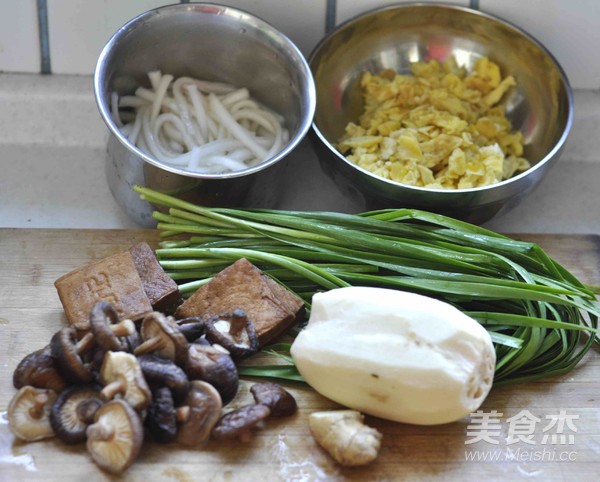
210,42
541,106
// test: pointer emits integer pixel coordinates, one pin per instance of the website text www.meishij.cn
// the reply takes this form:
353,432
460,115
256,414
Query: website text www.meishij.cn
523,437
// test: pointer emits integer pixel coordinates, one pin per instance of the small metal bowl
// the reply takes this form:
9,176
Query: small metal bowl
210,42
541,106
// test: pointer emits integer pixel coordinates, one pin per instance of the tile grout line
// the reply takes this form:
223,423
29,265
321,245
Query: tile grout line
42,11
330,15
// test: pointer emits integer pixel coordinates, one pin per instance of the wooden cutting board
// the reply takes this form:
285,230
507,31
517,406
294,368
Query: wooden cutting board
30,312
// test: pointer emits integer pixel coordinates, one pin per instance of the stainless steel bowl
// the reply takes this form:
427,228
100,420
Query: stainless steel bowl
541,106
210,42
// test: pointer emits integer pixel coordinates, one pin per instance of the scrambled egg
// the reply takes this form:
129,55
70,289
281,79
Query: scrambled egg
439,128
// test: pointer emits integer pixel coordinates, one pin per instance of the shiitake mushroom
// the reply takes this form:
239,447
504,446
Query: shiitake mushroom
74,410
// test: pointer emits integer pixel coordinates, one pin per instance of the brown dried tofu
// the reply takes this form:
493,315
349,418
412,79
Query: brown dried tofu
160,289
114,279
243,286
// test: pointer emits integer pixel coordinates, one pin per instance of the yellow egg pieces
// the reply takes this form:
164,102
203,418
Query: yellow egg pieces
441,127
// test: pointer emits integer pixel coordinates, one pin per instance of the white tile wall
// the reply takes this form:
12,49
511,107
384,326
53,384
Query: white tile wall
19,39
303,21
79,28
569,29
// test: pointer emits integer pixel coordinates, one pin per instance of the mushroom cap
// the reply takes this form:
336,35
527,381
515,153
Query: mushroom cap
64,349
233,331
237,423
192,328
214,365
280,401
102,316
124,368
115,438
160,372
39,369
174,344
29,413
204,403
74,410
161,419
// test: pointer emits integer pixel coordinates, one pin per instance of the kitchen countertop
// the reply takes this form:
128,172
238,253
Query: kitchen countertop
52,143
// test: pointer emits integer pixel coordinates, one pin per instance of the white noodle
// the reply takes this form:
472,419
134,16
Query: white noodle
184,112
235,97
242,154
131,101
135,131
154,78
173,133
126,129
244,104
199,109
160,93
232,126
151,141
217,88
258,117
177,124
202,126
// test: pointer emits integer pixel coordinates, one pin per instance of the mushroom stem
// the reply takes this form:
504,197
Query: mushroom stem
85,344
123,328
238,323
113,388
87,409
151,344
245,436
100,431
37,409
182,414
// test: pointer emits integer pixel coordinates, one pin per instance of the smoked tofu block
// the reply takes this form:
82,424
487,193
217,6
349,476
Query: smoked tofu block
160,289
114,279
271,307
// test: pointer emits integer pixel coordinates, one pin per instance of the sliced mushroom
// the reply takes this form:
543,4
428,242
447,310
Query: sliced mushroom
198,414
29,413
162,337
280,401
239,423
115,438
121,374
213,364
74,410
235,332
68,350
160,372
109,332
192,328
39,369
161,419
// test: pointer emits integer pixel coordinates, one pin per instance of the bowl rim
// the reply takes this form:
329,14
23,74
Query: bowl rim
556,148
306,118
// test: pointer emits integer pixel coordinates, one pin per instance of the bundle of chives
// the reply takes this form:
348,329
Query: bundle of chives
541,318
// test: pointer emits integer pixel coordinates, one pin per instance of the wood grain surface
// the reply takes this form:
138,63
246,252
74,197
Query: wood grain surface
30,312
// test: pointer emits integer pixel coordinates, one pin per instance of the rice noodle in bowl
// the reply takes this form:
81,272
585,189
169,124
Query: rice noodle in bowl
197,125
